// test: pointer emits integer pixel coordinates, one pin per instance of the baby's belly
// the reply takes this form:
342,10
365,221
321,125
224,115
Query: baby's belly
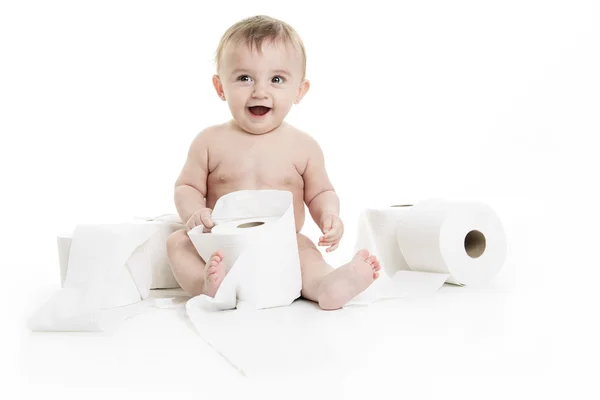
216,191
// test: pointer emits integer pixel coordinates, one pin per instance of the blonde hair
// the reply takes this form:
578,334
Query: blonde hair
253,31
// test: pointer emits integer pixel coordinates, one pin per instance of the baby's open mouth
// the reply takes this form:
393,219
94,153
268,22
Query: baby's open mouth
259,110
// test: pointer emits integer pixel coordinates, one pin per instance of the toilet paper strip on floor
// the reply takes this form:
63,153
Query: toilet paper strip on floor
420,247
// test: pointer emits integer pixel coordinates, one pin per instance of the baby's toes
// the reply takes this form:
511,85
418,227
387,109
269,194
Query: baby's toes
376,266
363,254
371,260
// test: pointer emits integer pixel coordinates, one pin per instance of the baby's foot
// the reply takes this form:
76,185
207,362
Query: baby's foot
214,273
343,284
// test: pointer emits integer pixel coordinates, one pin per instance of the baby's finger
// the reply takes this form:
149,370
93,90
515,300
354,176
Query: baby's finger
325,241
207,221
332,248
333,233
328,224
329,242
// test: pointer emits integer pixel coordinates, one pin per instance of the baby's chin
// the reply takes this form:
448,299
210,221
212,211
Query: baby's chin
254,131
257,128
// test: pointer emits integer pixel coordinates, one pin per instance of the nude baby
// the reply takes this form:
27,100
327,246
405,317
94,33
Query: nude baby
261,65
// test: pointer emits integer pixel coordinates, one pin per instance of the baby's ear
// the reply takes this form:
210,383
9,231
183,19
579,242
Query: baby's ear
218,87
302,89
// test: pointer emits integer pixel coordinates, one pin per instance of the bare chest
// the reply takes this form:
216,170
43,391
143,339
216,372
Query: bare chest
256,164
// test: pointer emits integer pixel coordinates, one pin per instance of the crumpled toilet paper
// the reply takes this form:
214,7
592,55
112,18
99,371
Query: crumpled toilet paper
106,272
256,231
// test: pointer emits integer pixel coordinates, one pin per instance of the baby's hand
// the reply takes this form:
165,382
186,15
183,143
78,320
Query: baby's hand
333,229
201,217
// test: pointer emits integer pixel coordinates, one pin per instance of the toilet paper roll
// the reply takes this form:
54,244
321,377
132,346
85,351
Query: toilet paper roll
156,248
377,229
151,256
105,274
256,232
463,239
232,237
377,232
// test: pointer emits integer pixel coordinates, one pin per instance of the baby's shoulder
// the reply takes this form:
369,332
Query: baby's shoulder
209,135
305,142
212,132
301,137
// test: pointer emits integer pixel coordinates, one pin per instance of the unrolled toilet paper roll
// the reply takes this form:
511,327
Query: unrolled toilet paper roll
255,229
422,246
105,275
232,237
377,232
151,256
156,248
463,239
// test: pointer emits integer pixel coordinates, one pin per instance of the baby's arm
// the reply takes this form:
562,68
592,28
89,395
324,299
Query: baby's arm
320,197
319,193
191,186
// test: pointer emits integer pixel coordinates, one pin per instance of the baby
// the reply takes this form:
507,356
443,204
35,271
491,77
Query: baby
261,64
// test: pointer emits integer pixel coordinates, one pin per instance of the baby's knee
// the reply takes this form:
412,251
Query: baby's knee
176,241
304,242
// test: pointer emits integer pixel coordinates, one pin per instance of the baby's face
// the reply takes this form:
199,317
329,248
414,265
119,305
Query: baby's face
260,88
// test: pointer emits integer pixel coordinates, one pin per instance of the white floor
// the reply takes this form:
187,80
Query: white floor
520,335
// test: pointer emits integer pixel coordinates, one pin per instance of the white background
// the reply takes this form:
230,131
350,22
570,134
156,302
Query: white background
497,101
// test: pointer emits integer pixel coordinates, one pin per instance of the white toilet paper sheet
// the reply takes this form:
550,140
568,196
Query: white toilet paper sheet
106,272
302,337
297,339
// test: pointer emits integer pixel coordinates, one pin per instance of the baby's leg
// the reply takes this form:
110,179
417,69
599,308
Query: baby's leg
313,266
333,288
190,270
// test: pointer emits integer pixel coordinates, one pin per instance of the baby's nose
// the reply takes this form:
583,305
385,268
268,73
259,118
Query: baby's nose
260,91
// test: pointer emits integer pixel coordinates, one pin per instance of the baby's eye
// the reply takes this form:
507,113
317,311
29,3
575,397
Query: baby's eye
244,78
278,79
